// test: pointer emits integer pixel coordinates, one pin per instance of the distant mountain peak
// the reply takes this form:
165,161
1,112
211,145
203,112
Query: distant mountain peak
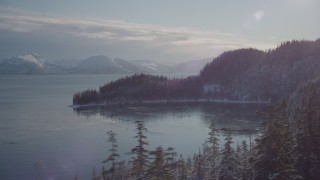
25,64
149,65
33,58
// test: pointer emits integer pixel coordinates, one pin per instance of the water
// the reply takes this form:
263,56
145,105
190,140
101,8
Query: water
40,134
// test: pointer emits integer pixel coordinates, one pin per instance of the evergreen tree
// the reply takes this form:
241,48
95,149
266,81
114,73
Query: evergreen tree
111,172
95,175
182,169
228,164
170,160
307,149
246,169
285,162
238,161
206,162
140,160
264,157
122,173
273,158
156,167
213,149
198,166
161,165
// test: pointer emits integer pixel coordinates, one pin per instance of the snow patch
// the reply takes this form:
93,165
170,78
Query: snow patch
151,65
166,101
33,58
207,88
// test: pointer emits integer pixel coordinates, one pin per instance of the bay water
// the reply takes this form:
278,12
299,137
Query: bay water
40,135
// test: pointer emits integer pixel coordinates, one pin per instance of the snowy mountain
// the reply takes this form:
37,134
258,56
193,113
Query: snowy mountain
33,58
27,64
152,66
104,65
193,66
35,64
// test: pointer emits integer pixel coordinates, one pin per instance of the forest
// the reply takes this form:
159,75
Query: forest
288,145
284,150
139,87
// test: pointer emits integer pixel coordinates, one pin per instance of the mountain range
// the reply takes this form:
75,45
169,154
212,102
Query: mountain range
237,75
35,64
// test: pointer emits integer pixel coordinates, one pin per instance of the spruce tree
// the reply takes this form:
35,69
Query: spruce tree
198,166
162,164
156,167
213,148
170,160
140,159
273,158
182,169
266,150
111,172
246,169
307,149
228,164
285,161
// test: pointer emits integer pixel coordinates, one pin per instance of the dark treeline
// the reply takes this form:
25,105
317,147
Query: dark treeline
140,87
241,75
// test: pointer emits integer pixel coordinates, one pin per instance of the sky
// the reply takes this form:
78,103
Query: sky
167,31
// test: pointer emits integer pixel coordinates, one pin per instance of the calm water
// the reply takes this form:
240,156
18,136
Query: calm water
38,128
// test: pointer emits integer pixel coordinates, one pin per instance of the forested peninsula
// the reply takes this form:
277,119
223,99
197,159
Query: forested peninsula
243,75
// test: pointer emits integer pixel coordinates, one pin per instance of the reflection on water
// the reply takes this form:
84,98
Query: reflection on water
182,125
240,118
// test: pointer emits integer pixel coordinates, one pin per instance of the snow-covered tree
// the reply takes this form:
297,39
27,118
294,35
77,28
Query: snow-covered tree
273,158
183,170
245,165
198,166
162,164
308,138
228,164
213,150
170,160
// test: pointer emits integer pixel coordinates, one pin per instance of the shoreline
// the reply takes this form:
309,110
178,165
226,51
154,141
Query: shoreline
168,101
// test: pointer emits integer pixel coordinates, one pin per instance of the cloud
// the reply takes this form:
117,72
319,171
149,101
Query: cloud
170,40
259,15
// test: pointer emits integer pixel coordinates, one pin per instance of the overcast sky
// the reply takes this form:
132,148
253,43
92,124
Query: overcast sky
164,30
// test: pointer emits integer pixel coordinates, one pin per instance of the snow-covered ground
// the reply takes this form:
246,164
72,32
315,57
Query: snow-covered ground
76,106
